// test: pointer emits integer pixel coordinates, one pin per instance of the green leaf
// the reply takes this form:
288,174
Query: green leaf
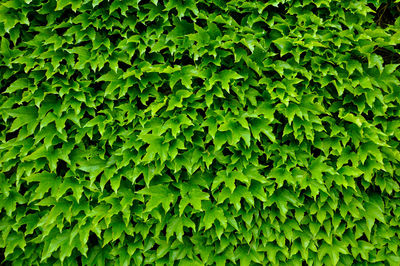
46,182
375,60
19,84
159,194
213,214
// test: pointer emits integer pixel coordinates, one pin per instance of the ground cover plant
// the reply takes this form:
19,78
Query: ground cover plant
207,132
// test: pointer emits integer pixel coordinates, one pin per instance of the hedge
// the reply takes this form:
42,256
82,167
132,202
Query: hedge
207,132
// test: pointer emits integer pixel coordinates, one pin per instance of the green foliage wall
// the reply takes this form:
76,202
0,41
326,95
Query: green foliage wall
184,132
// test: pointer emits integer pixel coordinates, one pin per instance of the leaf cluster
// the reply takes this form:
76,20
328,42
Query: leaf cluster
182,132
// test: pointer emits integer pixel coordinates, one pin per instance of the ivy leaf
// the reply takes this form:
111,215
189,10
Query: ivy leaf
24,115
46,182
14,240
215,213
93,166
175,226
375,60
159,194
17,85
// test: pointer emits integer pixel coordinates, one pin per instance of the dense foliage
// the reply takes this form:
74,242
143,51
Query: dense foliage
199,132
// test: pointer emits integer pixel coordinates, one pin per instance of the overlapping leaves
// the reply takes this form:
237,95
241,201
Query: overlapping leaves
199,132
